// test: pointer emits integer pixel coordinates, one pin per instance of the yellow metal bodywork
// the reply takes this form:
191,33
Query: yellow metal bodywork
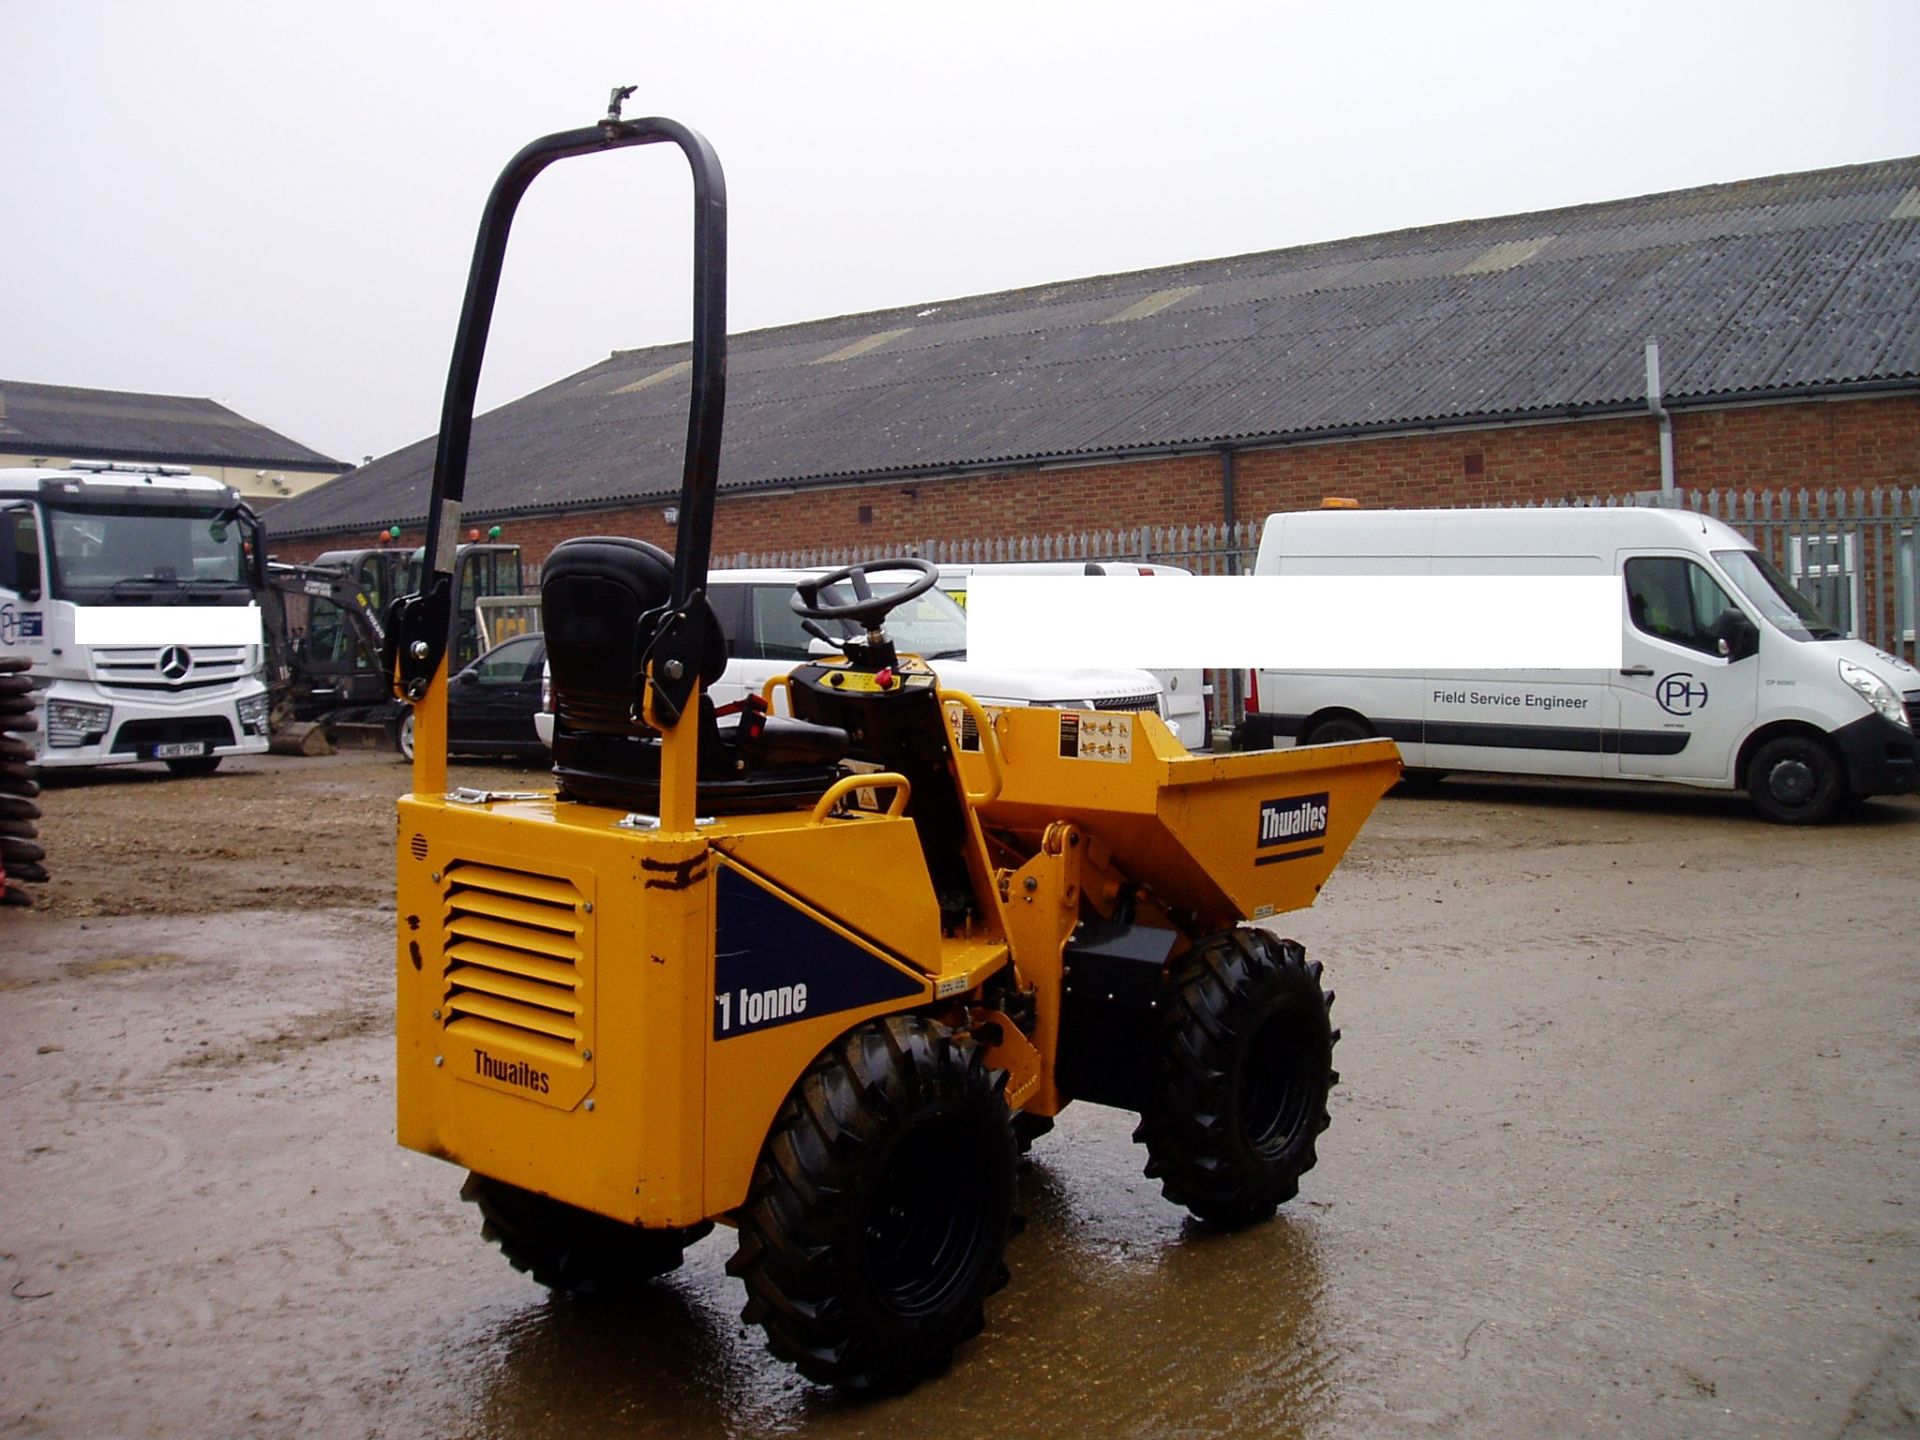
611,1090
562,1022
1188,826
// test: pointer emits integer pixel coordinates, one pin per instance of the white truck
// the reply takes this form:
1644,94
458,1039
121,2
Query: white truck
131,594
1729,678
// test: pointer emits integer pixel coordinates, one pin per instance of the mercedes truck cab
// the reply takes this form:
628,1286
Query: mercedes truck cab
131,592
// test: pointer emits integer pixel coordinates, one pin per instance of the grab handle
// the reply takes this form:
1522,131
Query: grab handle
847,784
989,746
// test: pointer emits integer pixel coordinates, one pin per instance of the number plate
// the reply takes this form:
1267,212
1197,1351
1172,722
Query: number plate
176,752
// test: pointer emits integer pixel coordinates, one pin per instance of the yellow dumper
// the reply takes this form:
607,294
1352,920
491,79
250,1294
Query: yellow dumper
820,975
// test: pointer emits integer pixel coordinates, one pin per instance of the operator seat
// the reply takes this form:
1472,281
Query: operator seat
597,597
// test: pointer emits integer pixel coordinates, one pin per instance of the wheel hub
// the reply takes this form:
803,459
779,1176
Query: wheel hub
1792,782
1278,1093
927,1220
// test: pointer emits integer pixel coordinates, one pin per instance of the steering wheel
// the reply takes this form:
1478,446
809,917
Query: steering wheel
866,607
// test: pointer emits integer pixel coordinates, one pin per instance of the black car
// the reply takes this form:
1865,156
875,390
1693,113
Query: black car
491,703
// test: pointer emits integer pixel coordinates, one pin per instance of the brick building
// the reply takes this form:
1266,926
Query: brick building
1482,361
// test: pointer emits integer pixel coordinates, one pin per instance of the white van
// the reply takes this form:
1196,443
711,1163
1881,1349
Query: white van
1729,677
1188,711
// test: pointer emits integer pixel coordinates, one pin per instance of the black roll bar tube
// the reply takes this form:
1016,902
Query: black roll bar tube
420,625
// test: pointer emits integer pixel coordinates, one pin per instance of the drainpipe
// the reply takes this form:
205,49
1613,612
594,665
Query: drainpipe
1229,503
1225,709
1660,414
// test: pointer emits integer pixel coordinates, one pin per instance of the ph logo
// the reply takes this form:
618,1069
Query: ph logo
1681,694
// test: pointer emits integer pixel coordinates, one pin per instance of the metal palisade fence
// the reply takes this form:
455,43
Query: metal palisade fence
1854,553
1203,549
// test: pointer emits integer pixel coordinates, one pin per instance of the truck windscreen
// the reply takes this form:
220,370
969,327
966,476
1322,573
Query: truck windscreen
144,555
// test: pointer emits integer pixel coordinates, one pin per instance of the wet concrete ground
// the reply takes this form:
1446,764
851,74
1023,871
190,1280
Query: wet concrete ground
1627,1143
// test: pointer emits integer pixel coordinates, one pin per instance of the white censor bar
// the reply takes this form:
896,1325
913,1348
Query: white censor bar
1298,622
166,625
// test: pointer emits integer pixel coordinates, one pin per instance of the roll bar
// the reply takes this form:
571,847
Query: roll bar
420,625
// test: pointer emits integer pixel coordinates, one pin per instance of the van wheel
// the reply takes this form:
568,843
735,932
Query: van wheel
879,1212
1338,730
403,735
1795,780
569,1250
1246,1061
195,765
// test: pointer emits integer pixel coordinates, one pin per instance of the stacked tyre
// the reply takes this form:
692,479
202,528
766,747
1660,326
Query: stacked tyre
20,852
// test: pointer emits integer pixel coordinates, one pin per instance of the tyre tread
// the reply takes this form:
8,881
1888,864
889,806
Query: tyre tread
796,1276
1188,1128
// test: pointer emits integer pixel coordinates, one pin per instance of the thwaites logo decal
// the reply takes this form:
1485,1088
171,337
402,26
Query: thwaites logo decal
510,1072
775,964
1289,827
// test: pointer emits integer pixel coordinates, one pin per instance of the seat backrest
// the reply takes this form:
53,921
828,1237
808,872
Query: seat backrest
596,594
594,591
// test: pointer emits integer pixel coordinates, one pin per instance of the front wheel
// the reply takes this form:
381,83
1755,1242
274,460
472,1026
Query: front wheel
1796,780
403,735
879,1213
570,1250
1246,1061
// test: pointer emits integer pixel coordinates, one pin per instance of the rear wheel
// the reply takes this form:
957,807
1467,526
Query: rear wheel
1337,730
1796,780
568,1249
195,765
880,1210
1245,1067
403,735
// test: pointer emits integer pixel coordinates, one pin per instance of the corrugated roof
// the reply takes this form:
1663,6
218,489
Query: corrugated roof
118,425
122,425
1805,282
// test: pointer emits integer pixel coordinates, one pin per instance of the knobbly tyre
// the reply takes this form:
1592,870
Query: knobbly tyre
816,976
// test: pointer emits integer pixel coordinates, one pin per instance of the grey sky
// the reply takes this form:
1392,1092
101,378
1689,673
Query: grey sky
274,205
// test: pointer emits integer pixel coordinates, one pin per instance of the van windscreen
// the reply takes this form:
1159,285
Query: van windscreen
1792,613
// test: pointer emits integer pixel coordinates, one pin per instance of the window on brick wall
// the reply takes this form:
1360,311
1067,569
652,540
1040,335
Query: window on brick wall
1824,569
